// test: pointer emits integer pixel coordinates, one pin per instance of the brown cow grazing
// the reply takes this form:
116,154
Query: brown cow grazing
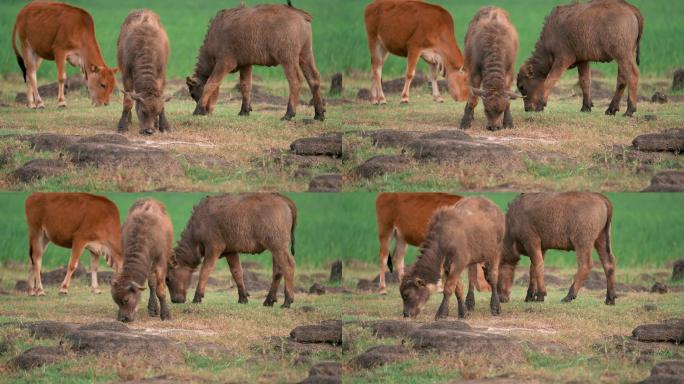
573,36
142,52
227,225
491,46
268,35
148,251
567,221
60,32
72,220
414,29
467,233
405,217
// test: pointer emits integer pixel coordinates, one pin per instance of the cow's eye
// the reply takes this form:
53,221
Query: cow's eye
103,86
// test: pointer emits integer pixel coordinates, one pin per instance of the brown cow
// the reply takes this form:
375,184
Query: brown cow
148,246
459,236
227,225
404,216
573,36
414,29
142,52
567,221
60,32
268,35
72,220
491,46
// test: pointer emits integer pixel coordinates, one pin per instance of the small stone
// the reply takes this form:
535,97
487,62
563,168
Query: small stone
317,289
650,307
38,356
363,94
336,272
326,332
659,97
659,287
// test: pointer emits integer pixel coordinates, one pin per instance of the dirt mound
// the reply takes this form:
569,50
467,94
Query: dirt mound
397,85
38,169
379,356
452,337
50,329
159,349
392,328
101,154
466,152
659,98
392,138
72,84
369,285
38,356
54,277
667,331
666,181
254,281
380,165
325,372
548,279
666,372
326,183
671,140
329,332
325,145
596,281
49,141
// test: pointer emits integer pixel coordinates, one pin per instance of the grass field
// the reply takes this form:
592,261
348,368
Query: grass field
646,228
339,32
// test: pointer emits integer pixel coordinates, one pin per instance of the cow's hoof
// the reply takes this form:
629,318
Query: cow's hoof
63,291
585,108
612,111
61,105
404,101
320,117
610,301
438,100
243,300
165,316
567,299
383,291
96,290
628,114
269,302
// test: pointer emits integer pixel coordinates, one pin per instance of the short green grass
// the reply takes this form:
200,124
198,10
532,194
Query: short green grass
339,32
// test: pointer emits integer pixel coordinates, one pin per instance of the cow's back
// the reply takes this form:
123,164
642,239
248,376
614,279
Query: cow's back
410,213
62,215
142,38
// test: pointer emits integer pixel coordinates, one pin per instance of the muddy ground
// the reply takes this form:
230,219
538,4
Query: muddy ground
399,147
346,332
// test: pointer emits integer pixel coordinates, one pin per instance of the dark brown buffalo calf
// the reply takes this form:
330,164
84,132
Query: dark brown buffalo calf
72,220
460,236
148,246
567,221
227,225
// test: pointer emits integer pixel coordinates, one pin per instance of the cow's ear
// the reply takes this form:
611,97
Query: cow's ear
419,282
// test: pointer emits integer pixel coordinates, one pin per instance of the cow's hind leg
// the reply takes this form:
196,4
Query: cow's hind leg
94,286
472,278
77,248
60,61
608,262
32,61
584,72
633,84
385,237
238,277
37,246
246,90
292,74
272,296
399,255
583,269
160,290
313,79
614,106
378,57
412,61
289,279
532,285
492,276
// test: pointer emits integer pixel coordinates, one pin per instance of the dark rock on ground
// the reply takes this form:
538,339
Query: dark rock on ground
630,347
336,272
369,285
6,345
326,332
678,270
379,356
325,145
363,94
659,287
326,368
494,156
596,281
392,328
666,372
38,356
451,337
53,277
106,342
37,169
326,183
255,281
380,165
671,140
678,80
49,141
336,84
156,161
447,325
72,84
317,289
667,181
366,285
548,279
50,329
322,380
392,138
284,159
21,286
659,97
166,379
667,331
397,85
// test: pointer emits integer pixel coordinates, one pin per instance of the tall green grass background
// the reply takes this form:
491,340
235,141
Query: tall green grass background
646,232
339,32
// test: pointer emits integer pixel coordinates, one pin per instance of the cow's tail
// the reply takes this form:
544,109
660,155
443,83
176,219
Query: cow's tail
31,253
20,60
640,19
609,220
293,210
390,266
289,3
